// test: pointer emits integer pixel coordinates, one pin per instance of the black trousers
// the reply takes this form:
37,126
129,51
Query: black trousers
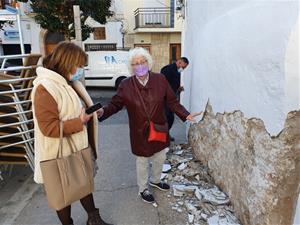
169,114
170,117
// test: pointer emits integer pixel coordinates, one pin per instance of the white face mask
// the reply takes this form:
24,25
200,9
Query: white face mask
179,70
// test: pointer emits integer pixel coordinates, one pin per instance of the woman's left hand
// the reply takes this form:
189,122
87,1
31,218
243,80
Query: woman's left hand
85,117
192,116
100,112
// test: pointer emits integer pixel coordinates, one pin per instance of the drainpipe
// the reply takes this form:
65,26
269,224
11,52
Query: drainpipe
172,6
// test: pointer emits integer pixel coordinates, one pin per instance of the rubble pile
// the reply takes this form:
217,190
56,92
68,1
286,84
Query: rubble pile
194,190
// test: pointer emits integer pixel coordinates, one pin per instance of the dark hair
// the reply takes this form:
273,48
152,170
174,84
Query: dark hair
185,60
64,58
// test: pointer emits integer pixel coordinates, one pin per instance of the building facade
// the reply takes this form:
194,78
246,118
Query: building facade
154,25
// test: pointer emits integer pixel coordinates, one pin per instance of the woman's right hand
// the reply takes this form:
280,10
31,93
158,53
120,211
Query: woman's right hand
192,116
85,117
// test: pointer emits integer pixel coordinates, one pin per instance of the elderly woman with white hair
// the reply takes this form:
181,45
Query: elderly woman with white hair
144,95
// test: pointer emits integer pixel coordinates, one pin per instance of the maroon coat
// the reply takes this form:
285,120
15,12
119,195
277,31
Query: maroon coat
156,94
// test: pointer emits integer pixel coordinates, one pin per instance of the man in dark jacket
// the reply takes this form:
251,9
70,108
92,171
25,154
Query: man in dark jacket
172,74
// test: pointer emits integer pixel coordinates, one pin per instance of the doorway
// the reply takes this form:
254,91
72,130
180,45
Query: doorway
51,41
175,52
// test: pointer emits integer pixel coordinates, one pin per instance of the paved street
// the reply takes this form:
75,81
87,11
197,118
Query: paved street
23,201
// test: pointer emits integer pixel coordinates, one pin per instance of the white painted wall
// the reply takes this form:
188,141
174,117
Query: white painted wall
292,69
112,27
244,55
297,216
35,30
117,7
112,31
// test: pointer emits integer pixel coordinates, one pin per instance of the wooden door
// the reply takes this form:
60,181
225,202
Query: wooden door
51,41
49,48
175,52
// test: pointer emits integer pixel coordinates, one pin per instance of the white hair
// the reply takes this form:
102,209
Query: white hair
138,51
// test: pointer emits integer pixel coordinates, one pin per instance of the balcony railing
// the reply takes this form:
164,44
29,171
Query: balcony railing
153,18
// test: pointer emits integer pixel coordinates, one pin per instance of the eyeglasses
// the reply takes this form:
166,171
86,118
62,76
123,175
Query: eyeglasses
140,63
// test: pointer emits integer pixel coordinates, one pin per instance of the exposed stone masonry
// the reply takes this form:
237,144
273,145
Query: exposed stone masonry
260,173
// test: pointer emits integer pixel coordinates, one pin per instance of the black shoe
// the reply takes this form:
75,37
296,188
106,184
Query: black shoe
161,186
147,196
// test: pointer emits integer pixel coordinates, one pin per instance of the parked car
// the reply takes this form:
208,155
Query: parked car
106,68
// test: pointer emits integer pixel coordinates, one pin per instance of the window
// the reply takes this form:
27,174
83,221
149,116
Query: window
99,33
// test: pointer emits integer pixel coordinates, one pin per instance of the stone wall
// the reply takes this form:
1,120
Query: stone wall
260,173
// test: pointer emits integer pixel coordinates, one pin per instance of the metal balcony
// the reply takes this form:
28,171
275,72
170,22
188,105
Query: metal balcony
154,18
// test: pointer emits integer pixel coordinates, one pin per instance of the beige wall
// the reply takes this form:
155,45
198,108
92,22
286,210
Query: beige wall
160,50
142,38
175,38
160,45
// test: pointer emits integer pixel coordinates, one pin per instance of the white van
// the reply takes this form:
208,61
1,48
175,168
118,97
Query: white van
106,68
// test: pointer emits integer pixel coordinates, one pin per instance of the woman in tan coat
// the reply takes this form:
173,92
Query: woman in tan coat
59,96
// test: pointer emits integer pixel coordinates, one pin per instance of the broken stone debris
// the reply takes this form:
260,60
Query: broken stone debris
191,218
166,168
194,190
182,166
218,220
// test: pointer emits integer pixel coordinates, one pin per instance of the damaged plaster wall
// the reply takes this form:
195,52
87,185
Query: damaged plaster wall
248,52
260,173
244,56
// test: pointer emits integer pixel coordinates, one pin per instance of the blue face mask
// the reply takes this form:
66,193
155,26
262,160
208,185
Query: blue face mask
78,74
